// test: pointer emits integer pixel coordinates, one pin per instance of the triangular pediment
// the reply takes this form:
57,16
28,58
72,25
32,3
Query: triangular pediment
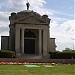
31,19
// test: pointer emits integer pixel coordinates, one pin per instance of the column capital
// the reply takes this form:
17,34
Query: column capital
23,28
17,27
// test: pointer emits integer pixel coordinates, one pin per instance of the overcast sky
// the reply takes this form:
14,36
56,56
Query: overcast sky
61,13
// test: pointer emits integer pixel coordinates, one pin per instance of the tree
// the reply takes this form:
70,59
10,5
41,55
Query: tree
68,50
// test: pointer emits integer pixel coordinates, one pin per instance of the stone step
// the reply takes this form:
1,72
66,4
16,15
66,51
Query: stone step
31,56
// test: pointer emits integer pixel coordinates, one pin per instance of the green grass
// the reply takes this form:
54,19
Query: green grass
22,70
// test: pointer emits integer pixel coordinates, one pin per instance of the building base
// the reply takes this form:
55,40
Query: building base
18,55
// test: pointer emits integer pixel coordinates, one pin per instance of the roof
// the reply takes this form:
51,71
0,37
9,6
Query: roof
27,14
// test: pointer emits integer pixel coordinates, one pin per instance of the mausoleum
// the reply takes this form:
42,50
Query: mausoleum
29,34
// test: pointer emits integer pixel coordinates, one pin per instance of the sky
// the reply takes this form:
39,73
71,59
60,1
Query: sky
61,13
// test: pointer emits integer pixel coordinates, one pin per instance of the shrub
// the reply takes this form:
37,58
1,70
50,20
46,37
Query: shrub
7,54
62,55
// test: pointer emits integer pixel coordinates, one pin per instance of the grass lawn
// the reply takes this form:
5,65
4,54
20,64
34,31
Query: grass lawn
42,70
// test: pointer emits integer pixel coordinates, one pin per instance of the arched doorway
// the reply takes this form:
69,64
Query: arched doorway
29,42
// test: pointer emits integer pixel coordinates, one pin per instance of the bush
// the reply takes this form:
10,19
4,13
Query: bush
7,54
62,55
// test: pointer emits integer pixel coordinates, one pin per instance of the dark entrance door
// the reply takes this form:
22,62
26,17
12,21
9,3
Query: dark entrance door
29,46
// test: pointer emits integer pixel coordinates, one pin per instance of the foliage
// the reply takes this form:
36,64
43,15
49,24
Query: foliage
7,54
62,55
68,50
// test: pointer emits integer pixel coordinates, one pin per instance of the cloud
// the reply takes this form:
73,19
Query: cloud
18,5
4,19
0,6
68,26
4,29
13,5
63,33
64,14
4,16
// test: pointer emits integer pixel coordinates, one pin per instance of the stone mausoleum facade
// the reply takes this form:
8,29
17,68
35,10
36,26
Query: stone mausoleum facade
29,34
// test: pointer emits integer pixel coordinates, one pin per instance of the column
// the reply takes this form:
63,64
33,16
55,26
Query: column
22,41
17,41
40,42
44,42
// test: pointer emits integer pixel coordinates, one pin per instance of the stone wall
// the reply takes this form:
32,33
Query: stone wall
4,42
56,61
52,44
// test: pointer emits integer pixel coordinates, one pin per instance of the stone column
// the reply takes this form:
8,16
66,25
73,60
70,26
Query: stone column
40,49
45,42
22,41
17,41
